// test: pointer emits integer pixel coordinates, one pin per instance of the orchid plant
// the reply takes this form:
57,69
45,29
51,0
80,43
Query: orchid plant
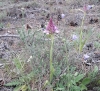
51,29
85,9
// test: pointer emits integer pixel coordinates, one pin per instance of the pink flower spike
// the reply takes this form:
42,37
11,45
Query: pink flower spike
87,7
51,28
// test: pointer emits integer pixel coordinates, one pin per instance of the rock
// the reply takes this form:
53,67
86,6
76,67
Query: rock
1,55
1,65
74,24
97,55
92,21
1,29
89,46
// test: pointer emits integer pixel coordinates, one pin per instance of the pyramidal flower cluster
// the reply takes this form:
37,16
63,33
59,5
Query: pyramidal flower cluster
51,28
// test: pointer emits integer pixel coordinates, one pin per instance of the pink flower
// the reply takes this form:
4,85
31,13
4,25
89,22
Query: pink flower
74,37
86,56
87,7
51,28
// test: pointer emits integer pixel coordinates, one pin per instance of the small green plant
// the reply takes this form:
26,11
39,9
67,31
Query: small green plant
3,15
82,40
51,29
69,79
72,82
75,81
22,82
1,25
97,44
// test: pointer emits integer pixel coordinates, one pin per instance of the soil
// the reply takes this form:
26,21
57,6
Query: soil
35,14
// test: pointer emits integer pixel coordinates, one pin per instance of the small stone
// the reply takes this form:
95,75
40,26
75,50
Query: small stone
11,42
92,21
1,29
89,46
1,83
1,65
97,55
62,15
74,24
9,32
48,16
42,25
1,55
59,17
28,26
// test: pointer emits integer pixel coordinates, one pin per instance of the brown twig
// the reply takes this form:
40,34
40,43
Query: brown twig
16,36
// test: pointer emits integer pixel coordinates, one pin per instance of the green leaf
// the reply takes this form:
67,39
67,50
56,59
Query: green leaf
86,81
17,88
73,82
83,87
24,88
76,73
57,71
21,88
60,89
76,88
94,72
95,69
83,42
46,82
17,64
13,83
98,82
79,77
97,44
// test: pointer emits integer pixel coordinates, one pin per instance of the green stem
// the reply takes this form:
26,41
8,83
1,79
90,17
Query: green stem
81,34
68,65
51,53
